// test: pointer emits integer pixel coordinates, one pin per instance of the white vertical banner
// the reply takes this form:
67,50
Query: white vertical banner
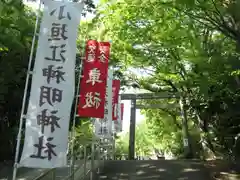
103,127
52,90
109,94
114,128
119,119
118,122
98,131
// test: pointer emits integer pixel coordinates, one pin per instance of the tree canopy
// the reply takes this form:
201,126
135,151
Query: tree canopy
184,46
190,47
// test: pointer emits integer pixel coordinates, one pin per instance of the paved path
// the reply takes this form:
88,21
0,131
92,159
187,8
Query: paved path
30,174
155,170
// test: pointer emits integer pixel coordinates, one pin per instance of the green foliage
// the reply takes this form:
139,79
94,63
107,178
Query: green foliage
185,46
122,144
16,28
165,130
83,137
144,141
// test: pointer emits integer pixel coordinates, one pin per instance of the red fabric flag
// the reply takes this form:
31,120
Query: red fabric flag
94,80
115,90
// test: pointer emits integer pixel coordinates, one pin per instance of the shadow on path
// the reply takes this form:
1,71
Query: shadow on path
155,170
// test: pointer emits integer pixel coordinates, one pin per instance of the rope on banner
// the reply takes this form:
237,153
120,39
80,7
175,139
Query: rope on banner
29,72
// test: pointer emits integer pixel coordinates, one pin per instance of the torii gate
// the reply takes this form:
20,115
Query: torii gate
134,106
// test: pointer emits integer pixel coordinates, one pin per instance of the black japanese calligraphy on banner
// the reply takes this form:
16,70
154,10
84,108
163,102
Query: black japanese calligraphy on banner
57,50
60,13
56,74
46,149
118,123
106,122
44,119
49,95
58,32
103,130
52,90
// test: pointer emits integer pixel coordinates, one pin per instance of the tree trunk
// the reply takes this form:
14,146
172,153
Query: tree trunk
206,142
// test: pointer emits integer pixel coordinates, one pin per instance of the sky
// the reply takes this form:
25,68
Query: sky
127,103
126,114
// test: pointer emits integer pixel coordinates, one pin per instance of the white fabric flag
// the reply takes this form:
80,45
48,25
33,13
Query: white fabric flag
97,127
52,90
103,127
118,123
114,127
109,101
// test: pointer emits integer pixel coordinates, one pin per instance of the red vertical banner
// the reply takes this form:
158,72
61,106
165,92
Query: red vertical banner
115,90
122,110
94,80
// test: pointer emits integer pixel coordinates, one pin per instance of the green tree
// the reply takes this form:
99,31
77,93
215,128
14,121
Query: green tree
16,29
186,47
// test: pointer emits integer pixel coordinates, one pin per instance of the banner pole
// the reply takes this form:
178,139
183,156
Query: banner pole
75,113
75,110
19,136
